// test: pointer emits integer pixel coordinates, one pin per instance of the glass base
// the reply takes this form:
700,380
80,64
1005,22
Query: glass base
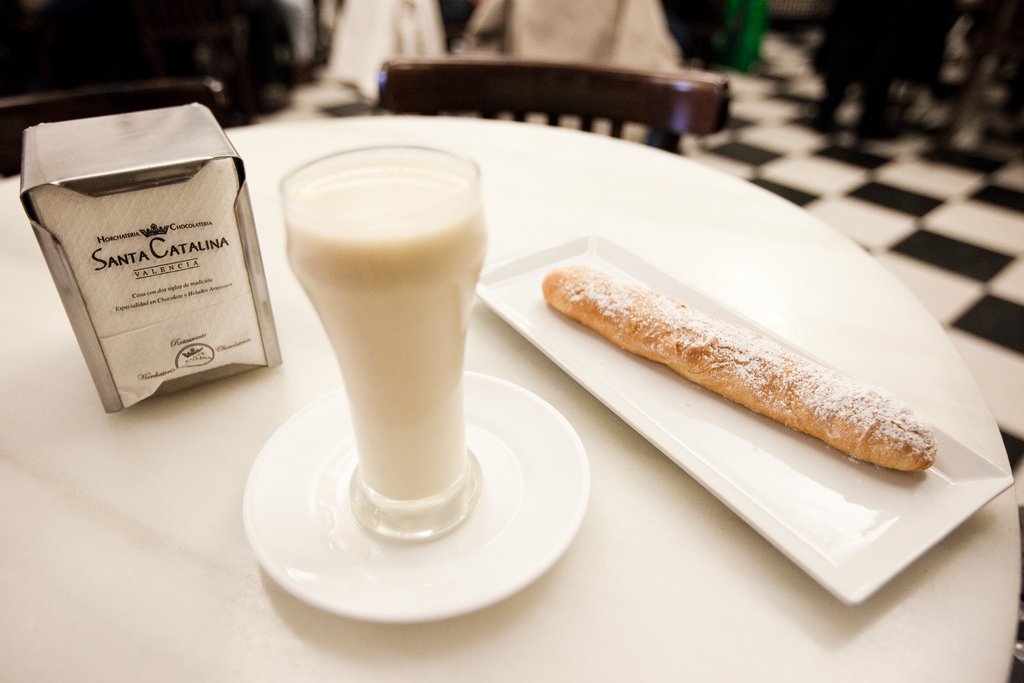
422,519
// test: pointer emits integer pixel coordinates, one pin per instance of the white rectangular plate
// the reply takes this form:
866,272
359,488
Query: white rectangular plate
850,525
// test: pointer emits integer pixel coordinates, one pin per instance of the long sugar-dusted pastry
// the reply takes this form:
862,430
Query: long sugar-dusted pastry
741,365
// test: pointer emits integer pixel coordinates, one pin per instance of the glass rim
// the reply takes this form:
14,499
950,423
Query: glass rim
306,166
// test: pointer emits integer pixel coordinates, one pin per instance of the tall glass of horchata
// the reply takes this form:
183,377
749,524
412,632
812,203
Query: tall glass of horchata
388,243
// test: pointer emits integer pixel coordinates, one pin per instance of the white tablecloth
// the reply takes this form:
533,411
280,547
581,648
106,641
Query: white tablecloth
123,551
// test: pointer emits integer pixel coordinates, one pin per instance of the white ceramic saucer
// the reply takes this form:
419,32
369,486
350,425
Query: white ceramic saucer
535,486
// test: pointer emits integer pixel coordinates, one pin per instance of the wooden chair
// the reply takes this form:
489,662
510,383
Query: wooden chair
21,111
670,104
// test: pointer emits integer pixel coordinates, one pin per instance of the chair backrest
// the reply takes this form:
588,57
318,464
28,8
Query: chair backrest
671,103
21,111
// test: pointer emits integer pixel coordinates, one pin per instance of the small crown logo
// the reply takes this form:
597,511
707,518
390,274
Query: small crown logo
154,229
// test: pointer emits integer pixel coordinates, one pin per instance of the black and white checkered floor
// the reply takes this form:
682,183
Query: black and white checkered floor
949,225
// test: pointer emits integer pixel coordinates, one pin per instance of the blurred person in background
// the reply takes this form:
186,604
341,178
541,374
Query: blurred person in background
630,33
874,42
693,23
456,11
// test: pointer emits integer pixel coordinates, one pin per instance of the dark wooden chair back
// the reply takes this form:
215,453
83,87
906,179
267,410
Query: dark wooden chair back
671,104
21,111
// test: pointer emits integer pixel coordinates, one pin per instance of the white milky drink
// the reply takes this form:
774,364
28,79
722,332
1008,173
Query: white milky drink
388,245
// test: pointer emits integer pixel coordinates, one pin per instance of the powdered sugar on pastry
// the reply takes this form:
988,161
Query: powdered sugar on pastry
862,421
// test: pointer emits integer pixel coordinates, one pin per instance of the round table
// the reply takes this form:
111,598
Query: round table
124,554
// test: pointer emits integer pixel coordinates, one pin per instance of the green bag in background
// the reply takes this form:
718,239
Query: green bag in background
738,43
